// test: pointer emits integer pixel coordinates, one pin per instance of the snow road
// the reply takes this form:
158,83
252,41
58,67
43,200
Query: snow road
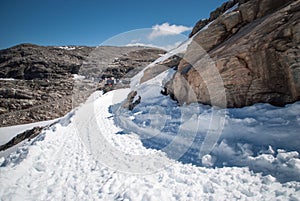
57,165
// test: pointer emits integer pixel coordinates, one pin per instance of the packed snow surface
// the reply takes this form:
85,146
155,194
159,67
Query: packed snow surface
58,165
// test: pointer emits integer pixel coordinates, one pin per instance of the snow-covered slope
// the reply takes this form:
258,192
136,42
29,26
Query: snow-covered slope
7,133
60,165
159,151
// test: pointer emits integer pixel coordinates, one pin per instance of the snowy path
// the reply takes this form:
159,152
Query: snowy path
57,166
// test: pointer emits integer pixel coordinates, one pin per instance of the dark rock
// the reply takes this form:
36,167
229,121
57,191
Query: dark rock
29,134
129,102
199,25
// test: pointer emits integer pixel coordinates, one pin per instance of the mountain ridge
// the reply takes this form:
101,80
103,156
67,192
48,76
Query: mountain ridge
37,82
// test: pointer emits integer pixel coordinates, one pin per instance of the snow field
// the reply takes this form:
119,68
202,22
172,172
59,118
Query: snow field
57,166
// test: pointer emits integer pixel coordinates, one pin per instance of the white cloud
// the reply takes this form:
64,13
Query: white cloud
166,29
167,47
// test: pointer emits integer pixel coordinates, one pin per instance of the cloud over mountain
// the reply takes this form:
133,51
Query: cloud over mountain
166,29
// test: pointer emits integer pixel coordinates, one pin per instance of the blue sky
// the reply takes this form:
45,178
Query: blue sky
91,22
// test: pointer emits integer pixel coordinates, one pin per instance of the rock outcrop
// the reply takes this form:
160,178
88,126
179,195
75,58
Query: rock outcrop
29,134
130,102
154,70
255,50
215,14
28,61
37,82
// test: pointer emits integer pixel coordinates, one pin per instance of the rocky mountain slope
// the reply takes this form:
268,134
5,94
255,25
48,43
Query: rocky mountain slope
37,83
253,46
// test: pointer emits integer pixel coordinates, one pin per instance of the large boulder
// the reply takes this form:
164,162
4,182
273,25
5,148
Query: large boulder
256,51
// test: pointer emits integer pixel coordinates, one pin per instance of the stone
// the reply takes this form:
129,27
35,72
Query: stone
256,52
130,102
231,20
249,11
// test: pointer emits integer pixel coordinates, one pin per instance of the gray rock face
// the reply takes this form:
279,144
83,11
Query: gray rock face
256,51
27,61
106,61
43,87
27,101
215,14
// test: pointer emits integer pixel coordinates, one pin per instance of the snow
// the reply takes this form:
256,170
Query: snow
67,48
205,27
7,133
78,77
7,79
60,165
262,137
231,9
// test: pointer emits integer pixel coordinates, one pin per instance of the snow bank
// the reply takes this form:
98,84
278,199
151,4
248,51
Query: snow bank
249,137
7,133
